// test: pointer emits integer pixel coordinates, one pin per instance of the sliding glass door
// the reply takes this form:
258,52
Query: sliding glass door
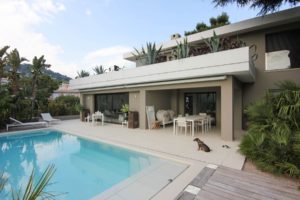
110,105
201,102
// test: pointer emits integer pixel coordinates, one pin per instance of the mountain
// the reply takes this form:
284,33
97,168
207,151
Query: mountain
25,71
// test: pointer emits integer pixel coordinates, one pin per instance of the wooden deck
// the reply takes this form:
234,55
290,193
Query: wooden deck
229,184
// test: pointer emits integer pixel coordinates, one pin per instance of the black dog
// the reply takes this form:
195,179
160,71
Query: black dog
201,145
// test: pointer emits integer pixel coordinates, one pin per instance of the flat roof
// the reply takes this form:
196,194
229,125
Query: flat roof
253,24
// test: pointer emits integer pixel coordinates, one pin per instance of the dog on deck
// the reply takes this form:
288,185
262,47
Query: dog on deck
201,145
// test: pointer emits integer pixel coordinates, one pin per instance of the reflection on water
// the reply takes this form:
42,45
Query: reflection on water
79,162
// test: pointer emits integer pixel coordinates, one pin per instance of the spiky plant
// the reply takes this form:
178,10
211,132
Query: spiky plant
99,69
82,74
182,50
33,191
213,43
273,139
148,56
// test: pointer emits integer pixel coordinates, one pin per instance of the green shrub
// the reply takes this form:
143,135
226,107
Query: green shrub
273,139
64,105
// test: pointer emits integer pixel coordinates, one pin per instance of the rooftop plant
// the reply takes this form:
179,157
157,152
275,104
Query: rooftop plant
148,56
213,43
218,21
82,74
182,50
99,69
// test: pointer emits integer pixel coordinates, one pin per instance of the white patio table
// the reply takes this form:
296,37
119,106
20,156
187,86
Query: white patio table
192,119
98,115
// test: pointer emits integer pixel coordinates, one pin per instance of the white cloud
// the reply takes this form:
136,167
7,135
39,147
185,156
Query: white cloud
88,12
19,19
108,57
47,6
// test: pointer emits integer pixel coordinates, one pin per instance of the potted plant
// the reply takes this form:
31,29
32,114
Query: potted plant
125,110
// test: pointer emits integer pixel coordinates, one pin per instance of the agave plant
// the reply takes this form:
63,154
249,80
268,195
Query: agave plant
182,50
148,56
213,43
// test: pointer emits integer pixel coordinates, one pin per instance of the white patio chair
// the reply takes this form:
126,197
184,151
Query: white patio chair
17,123
182,123
97,115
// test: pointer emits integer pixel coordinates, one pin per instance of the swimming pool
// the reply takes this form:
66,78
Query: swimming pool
84,168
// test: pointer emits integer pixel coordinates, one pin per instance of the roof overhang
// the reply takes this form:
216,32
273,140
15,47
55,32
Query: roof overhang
235,62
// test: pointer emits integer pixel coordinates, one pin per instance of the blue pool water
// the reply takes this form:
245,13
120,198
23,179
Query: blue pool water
84,168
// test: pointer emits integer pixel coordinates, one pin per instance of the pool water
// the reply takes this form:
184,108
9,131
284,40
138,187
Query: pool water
84,168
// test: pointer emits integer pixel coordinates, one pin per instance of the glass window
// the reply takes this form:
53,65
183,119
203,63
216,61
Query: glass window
110,105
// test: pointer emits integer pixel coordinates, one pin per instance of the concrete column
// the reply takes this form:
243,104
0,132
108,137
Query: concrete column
238,110
142,110
92,106
218,108
227,130
81,103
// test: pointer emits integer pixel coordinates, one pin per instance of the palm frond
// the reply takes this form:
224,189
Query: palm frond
35,191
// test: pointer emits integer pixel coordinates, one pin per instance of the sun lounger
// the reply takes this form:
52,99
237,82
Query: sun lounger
48,118
17,123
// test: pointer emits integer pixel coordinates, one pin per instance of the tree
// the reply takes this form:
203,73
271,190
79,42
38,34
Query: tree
264,6
37,68
82,74
148,56
14,61
2,61
99,69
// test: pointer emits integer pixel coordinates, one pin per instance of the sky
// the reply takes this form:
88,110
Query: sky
76,34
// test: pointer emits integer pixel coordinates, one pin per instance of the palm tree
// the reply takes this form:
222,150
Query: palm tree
37,68
99,69
14,61
82,74
150,56
2,61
